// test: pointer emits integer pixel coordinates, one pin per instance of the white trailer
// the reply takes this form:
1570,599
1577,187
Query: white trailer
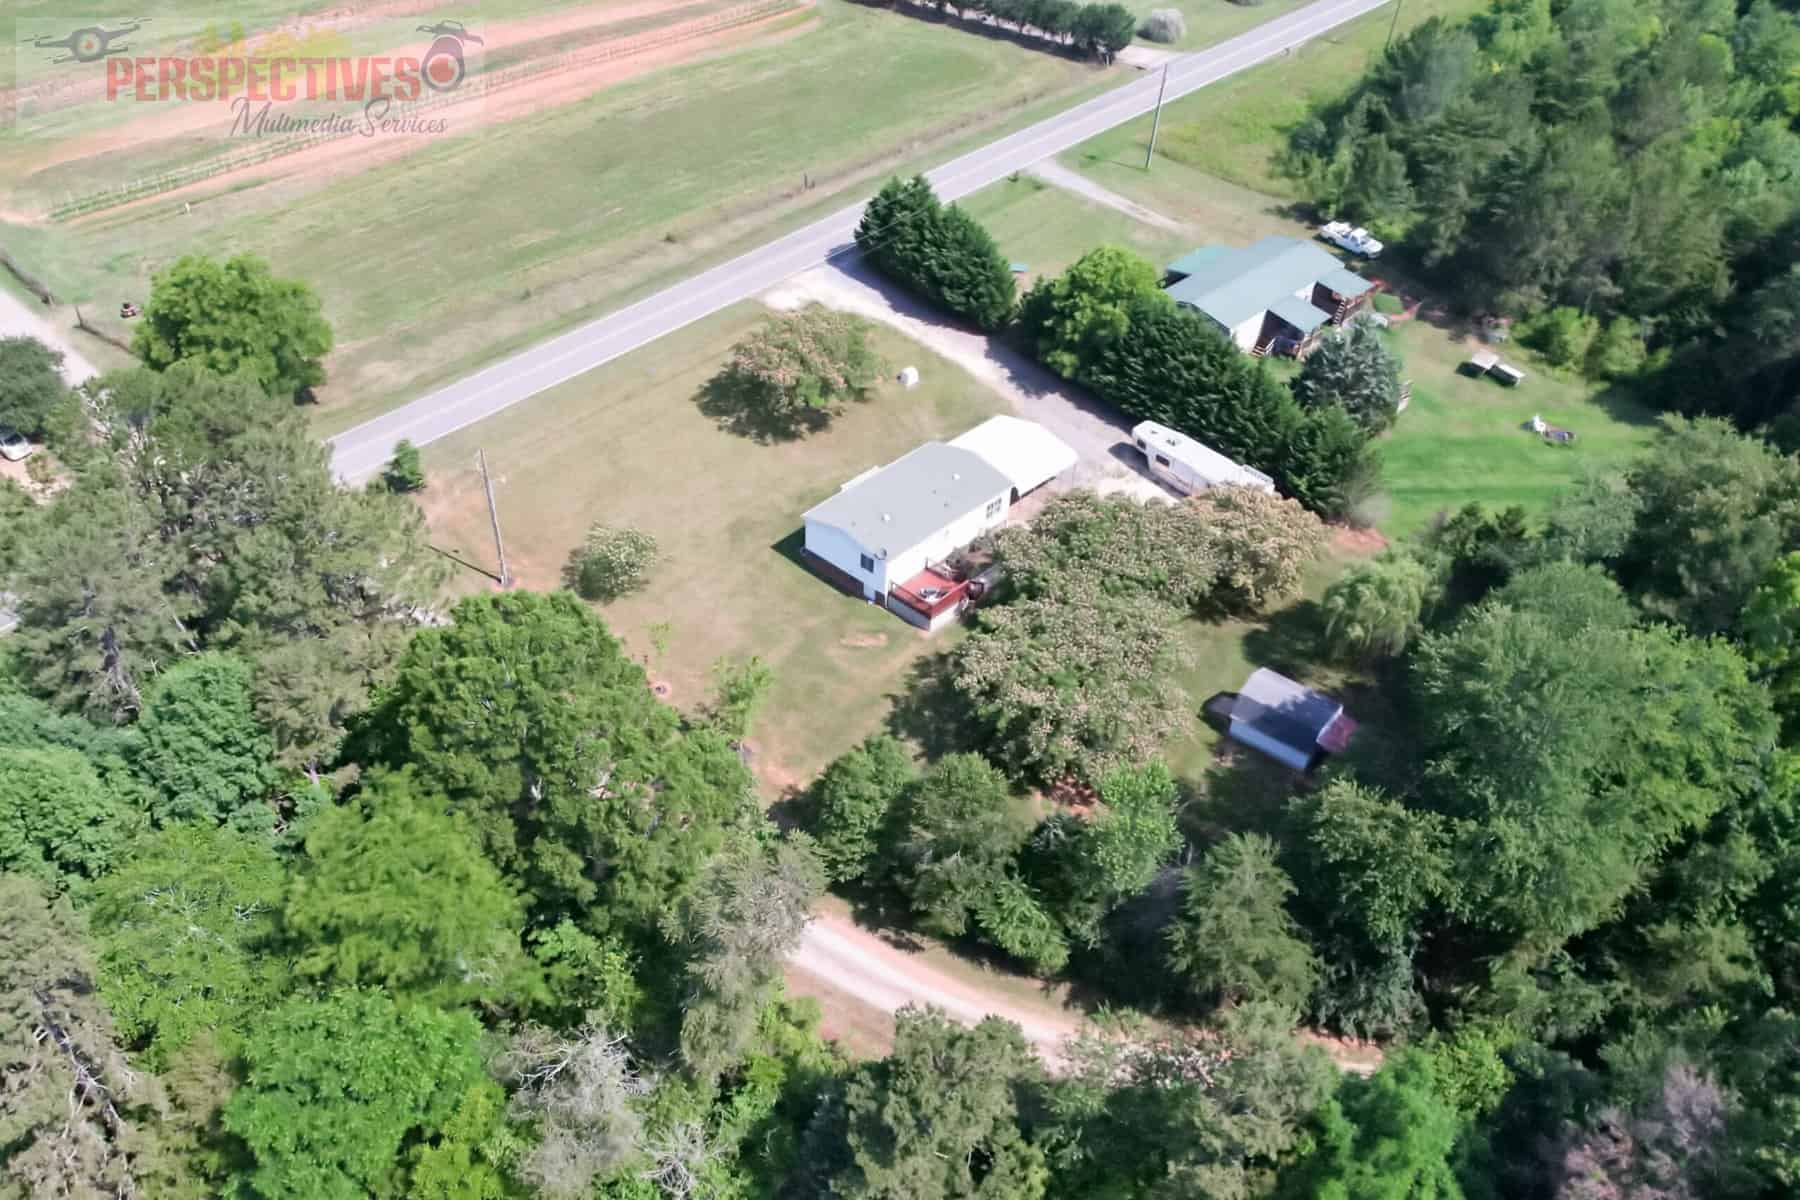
1188,466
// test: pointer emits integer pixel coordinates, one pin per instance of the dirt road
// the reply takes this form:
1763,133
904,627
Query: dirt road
861,964
19,319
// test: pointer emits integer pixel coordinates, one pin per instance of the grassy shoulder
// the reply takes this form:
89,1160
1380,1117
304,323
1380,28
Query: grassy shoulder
627,445
1045,228
1234,130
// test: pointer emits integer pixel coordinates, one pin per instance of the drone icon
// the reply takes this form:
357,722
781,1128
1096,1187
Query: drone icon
89,44
451,29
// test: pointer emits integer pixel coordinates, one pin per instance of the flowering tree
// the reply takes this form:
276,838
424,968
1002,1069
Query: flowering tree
611,562
793,373
1073,685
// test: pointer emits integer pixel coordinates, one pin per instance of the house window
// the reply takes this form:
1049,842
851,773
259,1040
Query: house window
868,564
993,508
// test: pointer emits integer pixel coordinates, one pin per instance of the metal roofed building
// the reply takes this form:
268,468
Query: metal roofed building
1288,721
1275,294
884,526
1023,451
889,534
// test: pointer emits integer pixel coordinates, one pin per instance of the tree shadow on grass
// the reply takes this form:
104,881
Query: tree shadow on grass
1243,792
932,713
1291,641
740,407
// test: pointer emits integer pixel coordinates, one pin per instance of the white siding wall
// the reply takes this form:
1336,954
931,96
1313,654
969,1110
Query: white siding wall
1245,335
952,537
1281,752
841,551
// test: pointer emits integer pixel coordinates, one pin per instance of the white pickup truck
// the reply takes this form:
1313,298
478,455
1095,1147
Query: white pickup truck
1356,241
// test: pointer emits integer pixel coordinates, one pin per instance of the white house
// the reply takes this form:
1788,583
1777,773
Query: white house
886,535
1190,466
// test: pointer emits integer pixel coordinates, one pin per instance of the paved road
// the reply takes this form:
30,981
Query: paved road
358,453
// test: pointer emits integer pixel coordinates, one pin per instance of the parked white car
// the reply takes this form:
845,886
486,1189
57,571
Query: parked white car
13,445
1356,240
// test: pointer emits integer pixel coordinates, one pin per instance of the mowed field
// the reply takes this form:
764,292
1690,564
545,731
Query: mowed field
433,260
627,444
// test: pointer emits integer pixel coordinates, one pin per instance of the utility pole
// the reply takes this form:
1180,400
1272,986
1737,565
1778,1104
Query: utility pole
494,518
1391,25
1156,119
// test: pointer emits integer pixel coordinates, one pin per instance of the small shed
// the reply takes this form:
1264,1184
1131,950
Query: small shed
1288,721
1508,374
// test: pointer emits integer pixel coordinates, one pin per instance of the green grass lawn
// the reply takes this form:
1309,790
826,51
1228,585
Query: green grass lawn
1047,228
626,444
1462,438
438,261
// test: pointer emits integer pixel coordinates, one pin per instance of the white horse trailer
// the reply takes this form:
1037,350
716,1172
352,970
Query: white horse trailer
1188,466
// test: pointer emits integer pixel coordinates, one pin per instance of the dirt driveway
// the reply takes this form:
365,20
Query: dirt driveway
1100,436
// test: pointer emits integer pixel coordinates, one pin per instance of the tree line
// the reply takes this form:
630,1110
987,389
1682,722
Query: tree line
1107,324
1620,179
1099,29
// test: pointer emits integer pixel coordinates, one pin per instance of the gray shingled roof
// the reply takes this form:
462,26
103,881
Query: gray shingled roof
1285,711
905,502
1231,285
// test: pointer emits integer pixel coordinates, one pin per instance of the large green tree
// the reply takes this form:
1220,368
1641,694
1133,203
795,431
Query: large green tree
395,893
1568,765
1376,607
852,800
187,931
1204,1112
59,822
1387,1137
1234,939
235,316
938,251
955,842
525,713
31,384
1771,626
1073,317
334,1088
1073,683
937,1119
1716,508
205,516
75,1119
203,752
1356,371
737,927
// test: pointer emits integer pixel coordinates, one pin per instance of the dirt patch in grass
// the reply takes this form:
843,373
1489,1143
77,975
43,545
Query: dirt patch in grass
1358,543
